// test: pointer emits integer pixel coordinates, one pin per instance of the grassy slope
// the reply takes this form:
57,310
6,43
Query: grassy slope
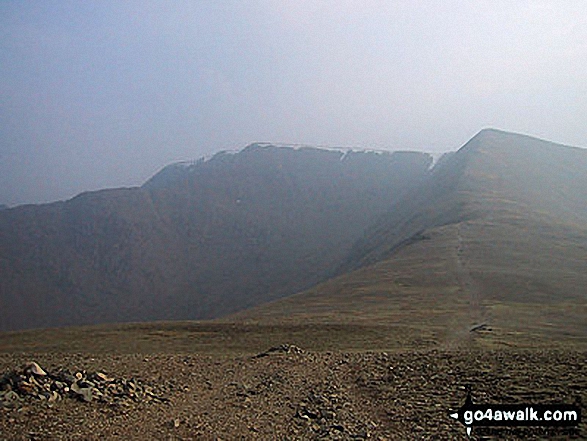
511,253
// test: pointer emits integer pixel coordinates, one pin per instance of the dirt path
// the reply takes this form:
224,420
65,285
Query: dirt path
301,395
477,313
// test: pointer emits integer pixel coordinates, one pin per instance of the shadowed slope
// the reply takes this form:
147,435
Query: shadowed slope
198,240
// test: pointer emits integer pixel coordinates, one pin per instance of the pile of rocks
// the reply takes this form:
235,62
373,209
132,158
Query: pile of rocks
32,382
281,349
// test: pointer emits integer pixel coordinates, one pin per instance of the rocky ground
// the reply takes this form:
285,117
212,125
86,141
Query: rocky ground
284,393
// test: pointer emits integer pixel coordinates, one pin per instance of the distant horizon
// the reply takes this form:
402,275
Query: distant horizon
435,155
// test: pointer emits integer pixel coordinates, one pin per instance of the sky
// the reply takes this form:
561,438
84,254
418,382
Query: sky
101,94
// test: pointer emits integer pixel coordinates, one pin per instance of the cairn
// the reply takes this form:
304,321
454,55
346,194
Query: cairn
33,383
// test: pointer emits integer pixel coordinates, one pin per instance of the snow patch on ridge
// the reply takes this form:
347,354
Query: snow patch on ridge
436,157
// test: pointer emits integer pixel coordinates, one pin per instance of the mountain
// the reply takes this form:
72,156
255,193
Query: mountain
495,236
198,240
3,207
382,244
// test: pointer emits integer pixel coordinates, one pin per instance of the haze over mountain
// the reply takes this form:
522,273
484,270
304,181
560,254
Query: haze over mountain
198,240
89,89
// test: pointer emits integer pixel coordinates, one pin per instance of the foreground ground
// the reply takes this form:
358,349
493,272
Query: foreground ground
289,393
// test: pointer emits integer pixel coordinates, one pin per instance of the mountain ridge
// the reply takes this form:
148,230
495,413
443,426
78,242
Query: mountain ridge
498,226
197,244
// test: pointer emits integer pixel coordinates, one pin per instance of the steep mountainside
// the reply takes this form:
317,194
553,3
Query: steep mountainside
495,175
197,240
496,235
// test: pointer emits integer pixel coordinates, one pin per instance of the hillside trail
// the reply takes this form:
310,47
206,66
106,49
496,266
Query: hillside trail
461,336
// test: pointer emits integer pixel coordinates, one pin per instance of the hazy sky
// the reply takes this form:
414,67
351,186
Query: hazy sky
98,94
